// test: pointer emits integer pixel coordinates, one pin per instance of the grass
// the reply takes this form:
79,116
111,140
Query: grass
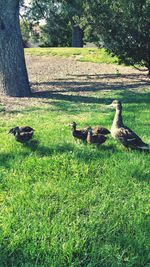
68,204
87,54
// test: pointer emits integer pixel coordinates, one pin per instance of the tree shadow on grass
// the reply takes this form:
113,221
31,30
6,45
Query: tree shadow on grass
127,95
6,159
76,87
140,175
132,76
70,98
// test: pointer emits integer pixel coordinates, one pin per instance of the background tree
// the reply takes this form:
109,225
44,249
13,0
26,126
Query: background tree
57,30
75,12
13,73
56,33
25,31
64,21
123,27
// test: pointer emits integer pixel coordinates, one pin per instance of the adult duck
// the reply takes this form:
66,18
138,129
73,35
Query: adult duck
122,133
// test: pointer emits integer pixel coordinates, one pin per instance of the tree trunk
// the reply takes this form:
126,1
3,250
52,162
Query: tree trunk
149,71
13,73
77,36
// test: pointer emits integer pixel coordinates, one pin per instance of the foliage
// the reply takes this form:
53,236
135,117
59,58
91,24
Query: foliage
25,31
56,32
60,16
123,26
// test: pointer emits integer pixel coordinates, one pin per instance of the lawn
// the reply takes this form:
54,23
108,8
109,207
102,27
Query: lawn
68,204
81,54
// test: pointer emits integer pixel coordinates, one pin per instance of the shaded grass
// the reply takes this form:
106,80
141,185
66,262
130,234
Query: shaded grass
81,54
68,204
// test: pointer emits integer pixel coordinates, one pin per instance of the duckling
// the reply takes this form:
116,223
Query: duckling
100,130
78,133
122,133
23,137
23,129
96,139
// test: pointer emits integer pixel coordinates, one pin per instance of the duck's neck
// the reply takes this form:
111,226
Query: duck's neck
73,128
17,133
89,136
117,122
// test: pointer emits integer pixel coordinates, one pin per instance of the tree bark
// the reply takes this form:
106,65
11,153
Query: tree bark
77,36
13,73
149,70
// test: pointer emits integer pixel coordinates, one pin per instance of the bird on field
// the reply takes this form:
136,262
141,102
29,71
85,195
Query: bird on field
80,134
122,133
96,139
22,129
22,137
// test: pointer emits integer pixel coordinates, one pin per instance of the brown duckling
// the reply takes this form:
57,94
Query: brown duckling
122,133
23,137
100,130
22,129
96,139
80,134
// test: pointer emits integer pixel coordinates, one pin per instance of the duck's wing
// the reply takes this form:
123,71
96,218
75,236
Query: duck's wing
83,130
100,130
26,129
130,139
26,136
98,138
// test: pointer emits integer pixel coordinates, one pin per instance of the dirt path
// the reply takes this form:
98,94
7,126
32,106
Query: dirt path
70,77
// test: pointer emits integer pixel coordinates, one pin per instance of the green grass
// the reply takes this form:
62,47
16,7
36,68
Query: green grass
68,204
87,54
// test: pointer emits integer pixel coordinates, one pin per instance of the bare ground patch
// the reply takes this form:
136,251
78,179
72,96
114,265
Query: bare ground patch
53,76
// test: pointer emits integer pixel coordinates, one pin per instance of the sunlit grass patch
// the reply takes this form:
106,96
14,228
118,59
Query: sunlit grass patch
81,54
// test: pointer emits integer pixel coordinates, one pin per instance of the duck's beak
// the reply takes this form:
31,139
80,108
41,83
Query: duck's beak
110,106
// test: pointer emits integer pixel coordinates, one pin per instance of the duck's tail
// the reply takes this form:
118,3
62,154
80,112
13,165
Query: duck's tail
144,148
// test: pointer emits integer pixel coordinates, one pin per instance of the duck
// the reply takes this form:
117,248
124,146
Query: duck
22,137
80,134
100,130
22,129
128,138
96,139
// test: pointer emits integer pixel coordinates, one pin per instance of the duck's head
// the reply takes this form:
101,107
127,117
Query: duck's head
17,130
116,104
13,130
73,124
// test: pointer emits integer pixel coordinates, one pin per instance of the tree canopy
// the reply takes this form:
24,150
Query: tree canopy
60,17
123,27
